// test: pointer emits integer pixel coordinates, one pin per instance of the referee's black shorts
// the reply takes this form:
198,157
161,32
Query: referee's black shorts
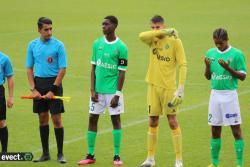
43,86
2,104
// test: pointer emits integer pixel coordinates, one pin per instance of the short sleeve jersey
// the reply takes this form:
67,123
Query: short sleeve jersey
221,79
5,68
109,58
46,57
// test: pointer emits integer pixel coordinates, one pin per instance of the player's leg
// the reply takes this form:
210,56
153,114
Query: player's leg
239,144
95,109
215,119
91,137
177,139
215,144
117,137
166,97
3,126
154,111
116,122
151,141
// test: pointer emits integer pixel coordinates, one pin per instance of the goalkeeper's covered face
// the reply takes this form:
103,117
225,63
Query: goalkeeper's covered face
157,26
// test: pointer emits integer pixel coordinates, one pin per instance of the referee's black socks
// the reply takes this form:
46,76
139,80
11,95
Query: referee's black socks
44,135
4,138
59,132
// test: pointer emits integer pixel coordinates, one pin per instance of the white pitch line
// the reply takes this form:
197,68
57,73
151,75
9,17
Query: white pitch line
130,124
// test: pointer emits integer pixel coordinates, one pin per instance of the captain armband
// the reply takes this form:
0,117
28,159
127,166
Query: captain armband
122,62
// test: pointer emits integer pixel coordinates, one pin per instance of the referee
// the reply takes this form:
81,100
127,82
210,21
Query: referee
46,66
6,71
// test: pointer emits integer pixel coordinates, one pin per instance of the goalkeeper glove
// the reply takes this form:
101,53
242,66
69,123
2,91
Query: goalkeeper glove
170,32
178,97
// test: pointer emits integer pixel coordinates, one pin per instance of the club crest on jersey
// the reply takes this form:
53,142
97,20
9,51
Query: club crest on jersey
167,46
50,59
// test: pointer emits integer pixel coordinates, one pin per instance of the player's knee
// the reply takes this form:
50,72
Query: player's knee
173,124
153,121
237,134
2,123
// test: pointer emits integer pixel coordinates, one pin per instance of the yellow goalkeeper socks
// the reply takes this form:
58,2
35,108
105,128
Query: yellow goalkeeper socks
152,140
177,141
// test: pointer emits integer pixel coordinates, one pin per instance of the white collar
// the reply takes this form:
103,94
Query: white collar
107,42
225,51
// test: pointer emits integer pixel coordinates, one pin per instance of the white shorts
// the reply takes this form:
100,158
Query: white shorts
224,108
103,103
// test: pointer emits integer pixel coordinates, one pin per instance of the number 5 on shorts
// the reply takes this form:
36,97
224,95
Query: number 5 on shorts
92,107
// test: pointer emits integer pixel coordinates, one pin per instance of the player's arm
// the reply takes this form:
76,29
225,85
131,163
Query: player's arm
182,64
148,36
238,74
115,99
10,100
94,95
208,72
122,67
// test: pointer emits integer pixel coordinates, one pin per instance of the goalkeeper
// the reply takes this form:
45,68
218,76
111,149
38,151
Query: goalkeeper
166,55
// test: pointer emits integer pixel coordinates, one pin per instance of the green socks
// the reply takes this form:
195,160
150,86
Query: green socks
91,135
239,149
215,145
117,137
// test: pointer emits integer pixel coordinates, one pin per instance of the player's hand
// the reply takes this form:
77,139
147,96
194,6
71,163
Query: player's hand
207,61
36,94
170,32
49,95
10,102
178,97
94,96
114,101
224,64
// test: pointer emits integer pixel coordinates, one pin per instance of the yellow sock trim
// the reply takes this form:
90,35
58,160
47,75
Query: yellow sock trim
177,141
152,140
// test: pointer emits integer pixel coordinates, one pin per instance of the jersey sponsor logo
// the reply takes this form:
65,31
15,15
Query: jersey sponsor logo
105,65
50,59
231,115
159,57
221,77
100,48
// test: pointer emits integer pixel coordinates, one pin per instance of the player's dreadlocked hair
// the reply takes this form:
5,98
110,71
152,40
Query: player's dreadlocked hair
43,20
157,19
112,19
220,33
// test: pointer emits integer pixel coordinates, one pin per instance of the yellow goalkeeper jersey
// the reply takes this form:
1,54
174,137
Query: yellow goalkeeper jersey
166,55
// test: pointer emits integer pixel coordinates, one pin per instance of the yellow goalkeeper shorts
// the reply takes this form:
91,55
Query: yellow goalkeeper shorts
158,99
